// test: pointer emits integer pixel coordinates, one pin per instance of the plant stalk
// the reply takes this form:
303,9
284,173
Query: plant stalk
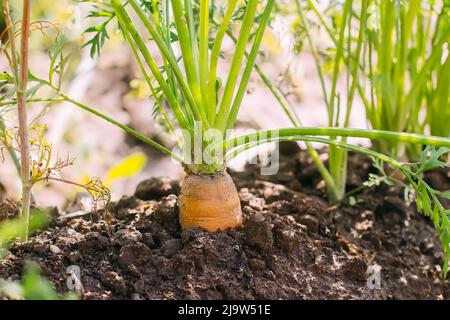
340,132
22,110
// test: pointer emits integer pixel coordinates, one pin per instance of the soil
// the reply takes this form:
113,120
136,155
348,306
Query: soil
293,245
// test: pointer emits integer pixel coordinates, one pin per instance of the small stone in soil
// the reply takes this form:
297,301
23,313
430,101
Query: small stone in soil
55,249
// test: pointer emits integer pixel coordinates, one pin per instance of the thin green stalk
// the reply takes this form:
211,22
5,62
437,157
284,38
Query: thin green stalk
34,100
161,27
192,32
338,157
322,20
204,51
244,35
125,128
385,54
341,132
334,191
149,81
186,50
421,79
438,111
356,58
127,26
233,153
215,54
295,120
116,123
332,36
250,64
337,166
337,61
155,7
195,107
406,27
313,52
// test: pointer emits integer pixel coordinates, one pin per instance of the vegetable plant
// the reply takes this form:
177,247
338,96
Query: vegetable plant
398,54
409,44
192,89
196,83
199,108
393,92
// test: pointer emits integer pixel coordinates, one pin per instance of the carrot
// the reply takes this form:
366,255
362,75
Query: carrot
210,202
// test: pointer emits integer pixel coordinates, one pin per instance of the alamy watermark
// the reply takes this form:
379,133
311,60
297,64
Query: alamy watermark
374,279
74,279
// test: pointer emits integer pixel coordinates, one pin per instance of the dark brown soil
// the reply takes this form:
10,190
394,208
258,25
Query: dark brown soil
292,246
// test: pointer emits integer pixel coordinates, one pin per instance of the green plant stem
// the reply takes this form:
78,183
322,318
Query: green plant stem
314,53
116,123
187,50
125,128
335,41
396,164
356,58
438,112
420,80
325,173
193,34
204,51
148,80
322,20
244,35
193,103
295,120
250,64
333,117
215,54
337,157
34,100
341,132
127,26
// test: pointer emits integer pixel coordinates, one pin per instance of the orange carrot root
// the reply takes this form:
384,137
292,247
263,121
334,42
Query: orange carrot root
210,202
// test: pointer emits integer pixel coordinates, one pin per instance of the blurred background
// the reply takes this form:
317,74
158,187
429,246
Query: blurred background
112,83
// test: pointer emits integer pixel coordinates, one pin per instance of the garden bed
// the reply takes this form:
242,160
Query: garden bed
292,246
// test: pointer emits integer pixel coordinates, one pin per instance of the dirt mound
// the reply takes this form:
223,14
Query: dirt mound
292,245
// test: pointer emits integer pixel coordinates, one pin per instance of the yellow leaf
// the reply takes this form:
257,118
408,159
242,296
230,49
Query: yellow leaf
127,168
